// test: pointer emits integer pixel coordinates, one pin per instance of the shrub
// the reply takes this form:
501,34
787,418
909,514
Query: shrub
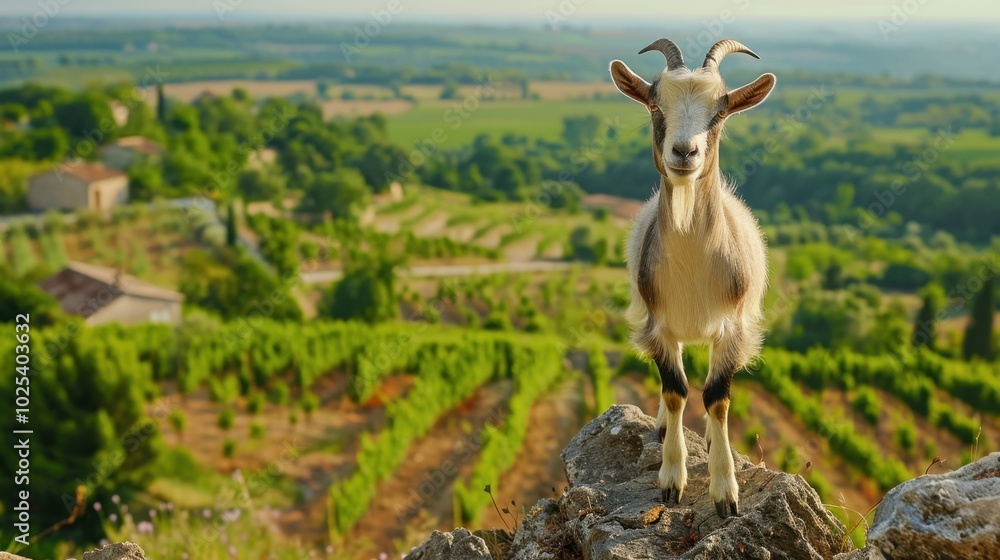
256,430
226,418
255,404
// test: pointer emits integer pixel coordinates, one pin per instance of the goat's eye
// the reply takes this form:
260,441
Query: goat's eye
721,114
654,108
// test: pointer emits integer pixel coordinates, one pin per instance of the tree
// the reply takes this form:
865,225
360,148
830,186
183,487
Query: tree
383,163
18,296
235,286
232,235
367,291
925,328
261,184
161,104
584,247
145,180
98,433
449,91
978,341
578,131
87,115
342,193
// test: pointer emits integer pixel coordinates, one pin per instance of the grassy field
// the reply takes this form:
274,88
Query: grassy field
541,119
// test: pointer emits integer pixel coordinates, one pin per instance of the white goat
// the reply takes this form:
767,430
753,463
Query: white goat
696,256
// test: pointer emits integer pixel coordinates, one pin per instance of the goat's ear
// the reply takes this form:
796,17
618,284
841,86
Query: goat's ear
751,95
629,83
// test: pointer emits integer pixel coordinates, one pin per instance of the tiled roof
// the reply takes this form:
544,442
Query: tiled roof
84,289
87,171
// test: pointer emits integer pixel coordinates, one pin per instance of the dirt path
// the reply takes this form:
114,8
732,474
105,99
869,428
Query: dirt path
554,420
427,271
419,496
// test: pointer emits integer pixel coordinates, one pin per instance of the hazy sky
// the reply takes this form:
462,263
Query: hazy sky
926,11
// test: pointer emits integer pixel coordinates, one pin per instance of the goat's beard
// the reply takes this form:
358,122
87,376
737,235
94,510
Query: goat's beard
682,203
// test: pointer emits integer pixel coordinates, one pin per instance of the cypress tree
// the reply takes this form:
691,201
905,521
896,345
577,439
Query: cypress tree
925,328
231,235
979,333
161,104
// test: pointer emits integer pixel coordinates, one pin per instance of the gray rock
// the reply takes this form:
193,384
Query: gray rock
459,544
127,550
939,516
612,511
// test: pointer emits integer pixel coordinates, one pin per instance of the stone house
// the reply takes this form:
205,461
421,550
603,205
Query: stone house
104,295
77,185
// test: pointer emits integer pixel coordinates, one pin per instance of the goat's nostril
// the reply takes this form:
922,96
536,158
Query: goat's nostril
693,152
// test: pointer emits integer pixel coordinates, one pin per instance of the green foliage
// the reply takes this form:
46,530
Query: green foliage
279,393
279,243
228,448
18,296
584,247
581,131
925,327
178,421
366,292
14,174
256,430
310,403
601,376
342,194
535,368
978,341
226,418
776,373
449,371
232,232
53,252
92,390
23,259
906,436
140,263
255,403
235,286
261,184
866,403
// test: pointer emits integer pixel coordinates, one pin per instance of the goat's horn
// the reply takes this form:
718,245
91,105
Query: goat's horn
722,49
675,59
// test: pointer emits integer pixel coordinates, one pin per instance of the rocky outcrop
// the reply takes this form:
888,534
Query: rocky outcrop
612,509
118,551
127,550
939,516
459,544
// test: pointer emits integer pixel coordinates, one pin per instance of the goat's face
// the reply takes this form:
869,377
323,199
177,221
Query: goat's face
689,107
687,110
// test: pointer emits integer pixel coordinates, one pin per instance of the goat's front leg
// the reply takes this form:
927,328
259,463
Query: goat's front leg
673,397
723,363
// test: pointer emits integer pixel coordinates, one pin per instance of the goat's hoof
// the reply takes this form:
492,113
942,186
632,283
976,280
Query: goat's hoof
721,508
663,433
671,492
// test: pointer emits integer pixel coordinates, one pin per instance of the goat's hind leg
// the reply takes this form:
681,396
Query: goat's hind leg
674,390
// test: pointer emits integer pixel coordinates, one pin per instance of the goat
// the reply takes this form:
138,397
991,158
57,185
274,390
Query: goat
696,256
